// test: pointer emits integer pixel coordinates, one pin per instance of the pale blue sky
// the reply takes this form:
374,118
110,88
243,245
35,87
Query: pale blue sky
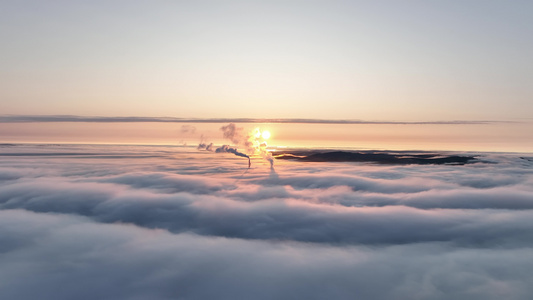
370,60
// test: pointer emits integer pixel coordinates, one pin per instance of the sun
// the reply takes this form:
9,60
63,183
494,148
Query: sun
265,134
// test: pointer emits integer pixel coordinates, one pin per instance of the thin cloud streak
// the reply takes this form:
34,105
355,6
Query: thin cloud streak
134,119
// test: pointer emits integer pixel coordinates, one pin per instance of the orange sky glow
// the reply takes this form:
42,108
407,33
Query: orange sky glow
507,137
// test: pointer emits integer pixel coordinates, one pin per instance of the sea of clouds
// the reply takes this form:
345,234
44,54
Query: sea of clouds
134,222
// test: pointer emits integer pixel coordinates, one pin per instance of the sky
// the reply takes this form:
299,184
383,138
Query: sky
365,60
147,222
457,73
502,137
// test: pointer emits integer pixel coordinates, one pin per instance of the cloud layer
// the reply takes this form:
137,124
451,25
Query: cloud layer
97,119
176,223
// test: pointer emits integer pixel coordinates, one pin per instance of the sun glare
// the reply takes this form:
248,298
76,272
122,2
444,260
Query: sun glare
257,133
266,134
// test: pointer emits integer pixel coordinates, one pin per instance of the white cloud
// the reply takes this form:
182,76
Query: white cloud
201,226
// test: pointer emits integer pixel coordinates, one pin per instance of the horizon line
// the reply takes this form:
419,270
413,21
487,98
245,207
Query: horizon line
135,119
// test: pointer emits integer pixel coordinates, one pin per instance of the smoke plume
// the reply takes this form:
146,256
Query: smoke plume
253,143
228,149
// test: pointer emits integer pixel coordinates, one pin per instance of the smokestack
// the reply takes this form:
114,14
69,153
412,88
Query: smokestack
253,143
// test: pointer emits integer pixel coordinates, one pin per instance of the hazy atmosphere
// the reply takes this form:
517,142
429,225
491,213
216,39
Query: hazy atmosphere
371,60
157,150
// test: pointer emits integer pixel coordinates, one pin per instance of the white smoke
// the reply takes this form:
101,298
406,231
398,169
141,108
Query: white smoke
253,143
